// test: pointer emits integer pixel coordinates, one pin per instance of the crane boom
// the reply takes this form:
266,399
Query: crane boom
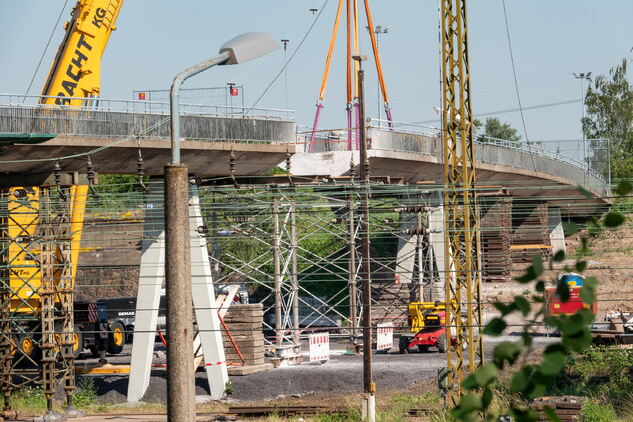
76,70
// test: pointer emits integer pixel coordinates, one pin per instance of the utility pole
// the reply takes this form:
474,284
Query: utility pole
285,42
369,388
378,31
583,76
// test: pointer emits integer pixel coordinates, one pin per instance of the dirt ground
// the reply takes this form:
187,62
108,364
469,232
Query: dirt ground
609,259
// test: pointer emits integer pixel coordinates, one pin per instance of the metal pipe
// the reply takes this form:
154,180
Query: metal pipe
351,244
293,275
277,274
174,99
364,176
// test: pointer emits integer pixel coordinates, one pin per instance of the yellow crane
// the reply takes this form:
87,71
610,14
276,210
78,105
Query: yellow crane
41,228
76,70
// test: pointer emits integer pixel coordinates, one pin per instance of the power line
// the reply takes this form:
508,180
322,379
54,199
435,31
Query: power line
290,59
512,110
61,12
514,73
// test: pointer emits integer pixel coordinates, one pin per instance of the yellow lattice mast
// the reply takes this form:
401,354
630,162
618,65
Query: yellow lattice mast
463,275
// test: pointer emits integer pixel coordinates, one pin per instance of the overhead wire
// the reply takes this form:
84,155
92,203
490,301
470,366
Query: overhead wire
290,59
514,72
37,68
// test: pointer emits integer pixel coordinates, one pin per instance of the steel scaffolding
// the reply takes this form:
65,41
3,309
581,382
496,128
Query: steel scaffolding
36,291
296,245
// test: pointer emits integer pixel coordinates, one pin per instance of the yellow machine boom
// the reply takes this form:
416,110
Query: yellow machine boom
76,70
23,210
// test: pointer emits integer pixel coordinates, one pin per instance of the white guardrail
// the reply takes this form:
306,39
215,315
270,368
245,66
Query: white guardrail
532,147
148,107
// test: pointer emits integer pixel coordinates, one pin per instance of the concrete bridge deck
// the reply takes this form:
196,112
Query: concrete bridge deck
113,137
258,143
524,172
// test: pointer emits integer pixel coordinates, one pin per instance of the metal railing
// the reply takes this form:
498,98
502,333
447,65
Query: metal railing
533,148
148,107
379,131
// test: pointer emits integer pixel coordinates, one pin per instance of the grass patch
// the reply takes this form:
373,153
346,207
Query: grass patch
86,394
594,411
29,401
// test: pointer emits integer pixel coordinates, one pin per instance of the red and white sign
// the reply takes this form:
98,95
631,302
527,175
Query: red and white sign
235,92
92,312
319,347
384,336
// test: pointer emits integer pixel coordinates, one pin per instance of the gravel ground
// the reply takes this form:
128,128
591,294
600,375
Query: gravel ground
342,374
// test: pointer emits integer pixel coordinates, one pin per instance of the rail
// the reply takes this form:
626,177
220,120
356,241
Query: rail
148,107
426,140
531,147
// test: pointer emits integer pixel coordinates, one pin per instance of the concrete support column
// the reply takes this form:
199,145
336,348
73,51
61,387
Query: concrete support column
436,241
209,329
151,278
180,375
556,232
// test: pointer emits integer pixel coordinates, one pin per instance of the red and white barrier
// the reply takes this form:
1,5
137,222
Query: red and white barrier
384,336
319,347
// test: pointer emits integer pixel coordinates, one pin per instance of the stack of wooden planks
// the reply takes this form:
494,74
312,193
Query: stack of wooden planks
244,322
531,232
567,408
495,226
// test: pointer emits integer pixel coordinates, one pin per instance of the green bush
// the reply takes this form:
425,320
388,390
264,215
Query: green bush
87,395
592,411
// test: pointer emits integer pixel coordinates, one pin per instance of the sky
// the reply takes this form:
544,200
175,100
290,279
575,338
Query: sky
156,39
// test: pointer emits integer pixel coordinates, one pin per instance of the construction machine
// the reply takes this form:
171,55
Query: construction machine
428,323
76,71
28,233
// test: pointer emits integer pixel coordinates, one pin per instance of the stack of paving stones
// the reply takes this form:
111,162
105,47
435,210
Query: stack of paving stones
567,408
391,298
496,230
244,322
531,233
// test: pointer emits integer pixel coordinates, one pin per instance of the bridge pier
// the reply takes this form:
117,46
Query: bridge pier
556,232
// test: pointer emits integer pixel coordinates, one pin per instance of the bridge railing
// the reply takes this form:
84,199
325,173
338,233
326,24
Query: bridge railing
147,107
531,147
423,139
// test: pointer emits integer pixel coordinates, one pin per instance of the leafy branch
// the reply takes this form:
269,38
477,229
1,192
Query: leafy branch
531,380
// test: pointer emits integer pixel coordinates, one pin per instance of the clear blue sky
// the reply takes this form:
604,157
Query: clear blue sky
156,39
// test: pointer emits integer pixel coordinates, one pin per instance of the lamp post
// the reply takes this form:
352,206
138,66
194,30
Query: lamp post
180,374
583,76
378,31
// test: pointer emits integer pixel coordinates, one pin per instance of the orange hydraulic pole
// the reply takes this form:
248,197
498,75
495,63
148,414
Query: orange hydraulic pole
326,71
356,68
374,45
349,76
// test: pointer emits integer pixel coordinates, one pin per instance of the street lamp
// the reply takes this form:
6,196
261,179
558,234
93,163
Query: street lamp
180,374
378,31
583,76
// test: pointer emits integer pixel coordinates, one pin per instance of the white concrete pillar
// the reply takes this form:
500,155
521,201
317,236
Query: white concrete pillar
151,279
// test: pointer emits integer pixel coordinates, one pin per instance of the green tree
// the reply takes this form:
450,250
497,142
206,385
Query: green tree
494,128
609,104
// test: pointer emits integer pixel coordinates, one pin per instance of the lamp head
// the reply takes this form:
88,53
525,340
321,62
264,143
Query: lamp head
359,57
248,46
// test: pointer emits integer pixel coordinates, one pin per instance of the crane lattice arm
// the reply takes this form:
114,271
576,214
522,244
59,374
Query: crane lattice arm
76,70
462,250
